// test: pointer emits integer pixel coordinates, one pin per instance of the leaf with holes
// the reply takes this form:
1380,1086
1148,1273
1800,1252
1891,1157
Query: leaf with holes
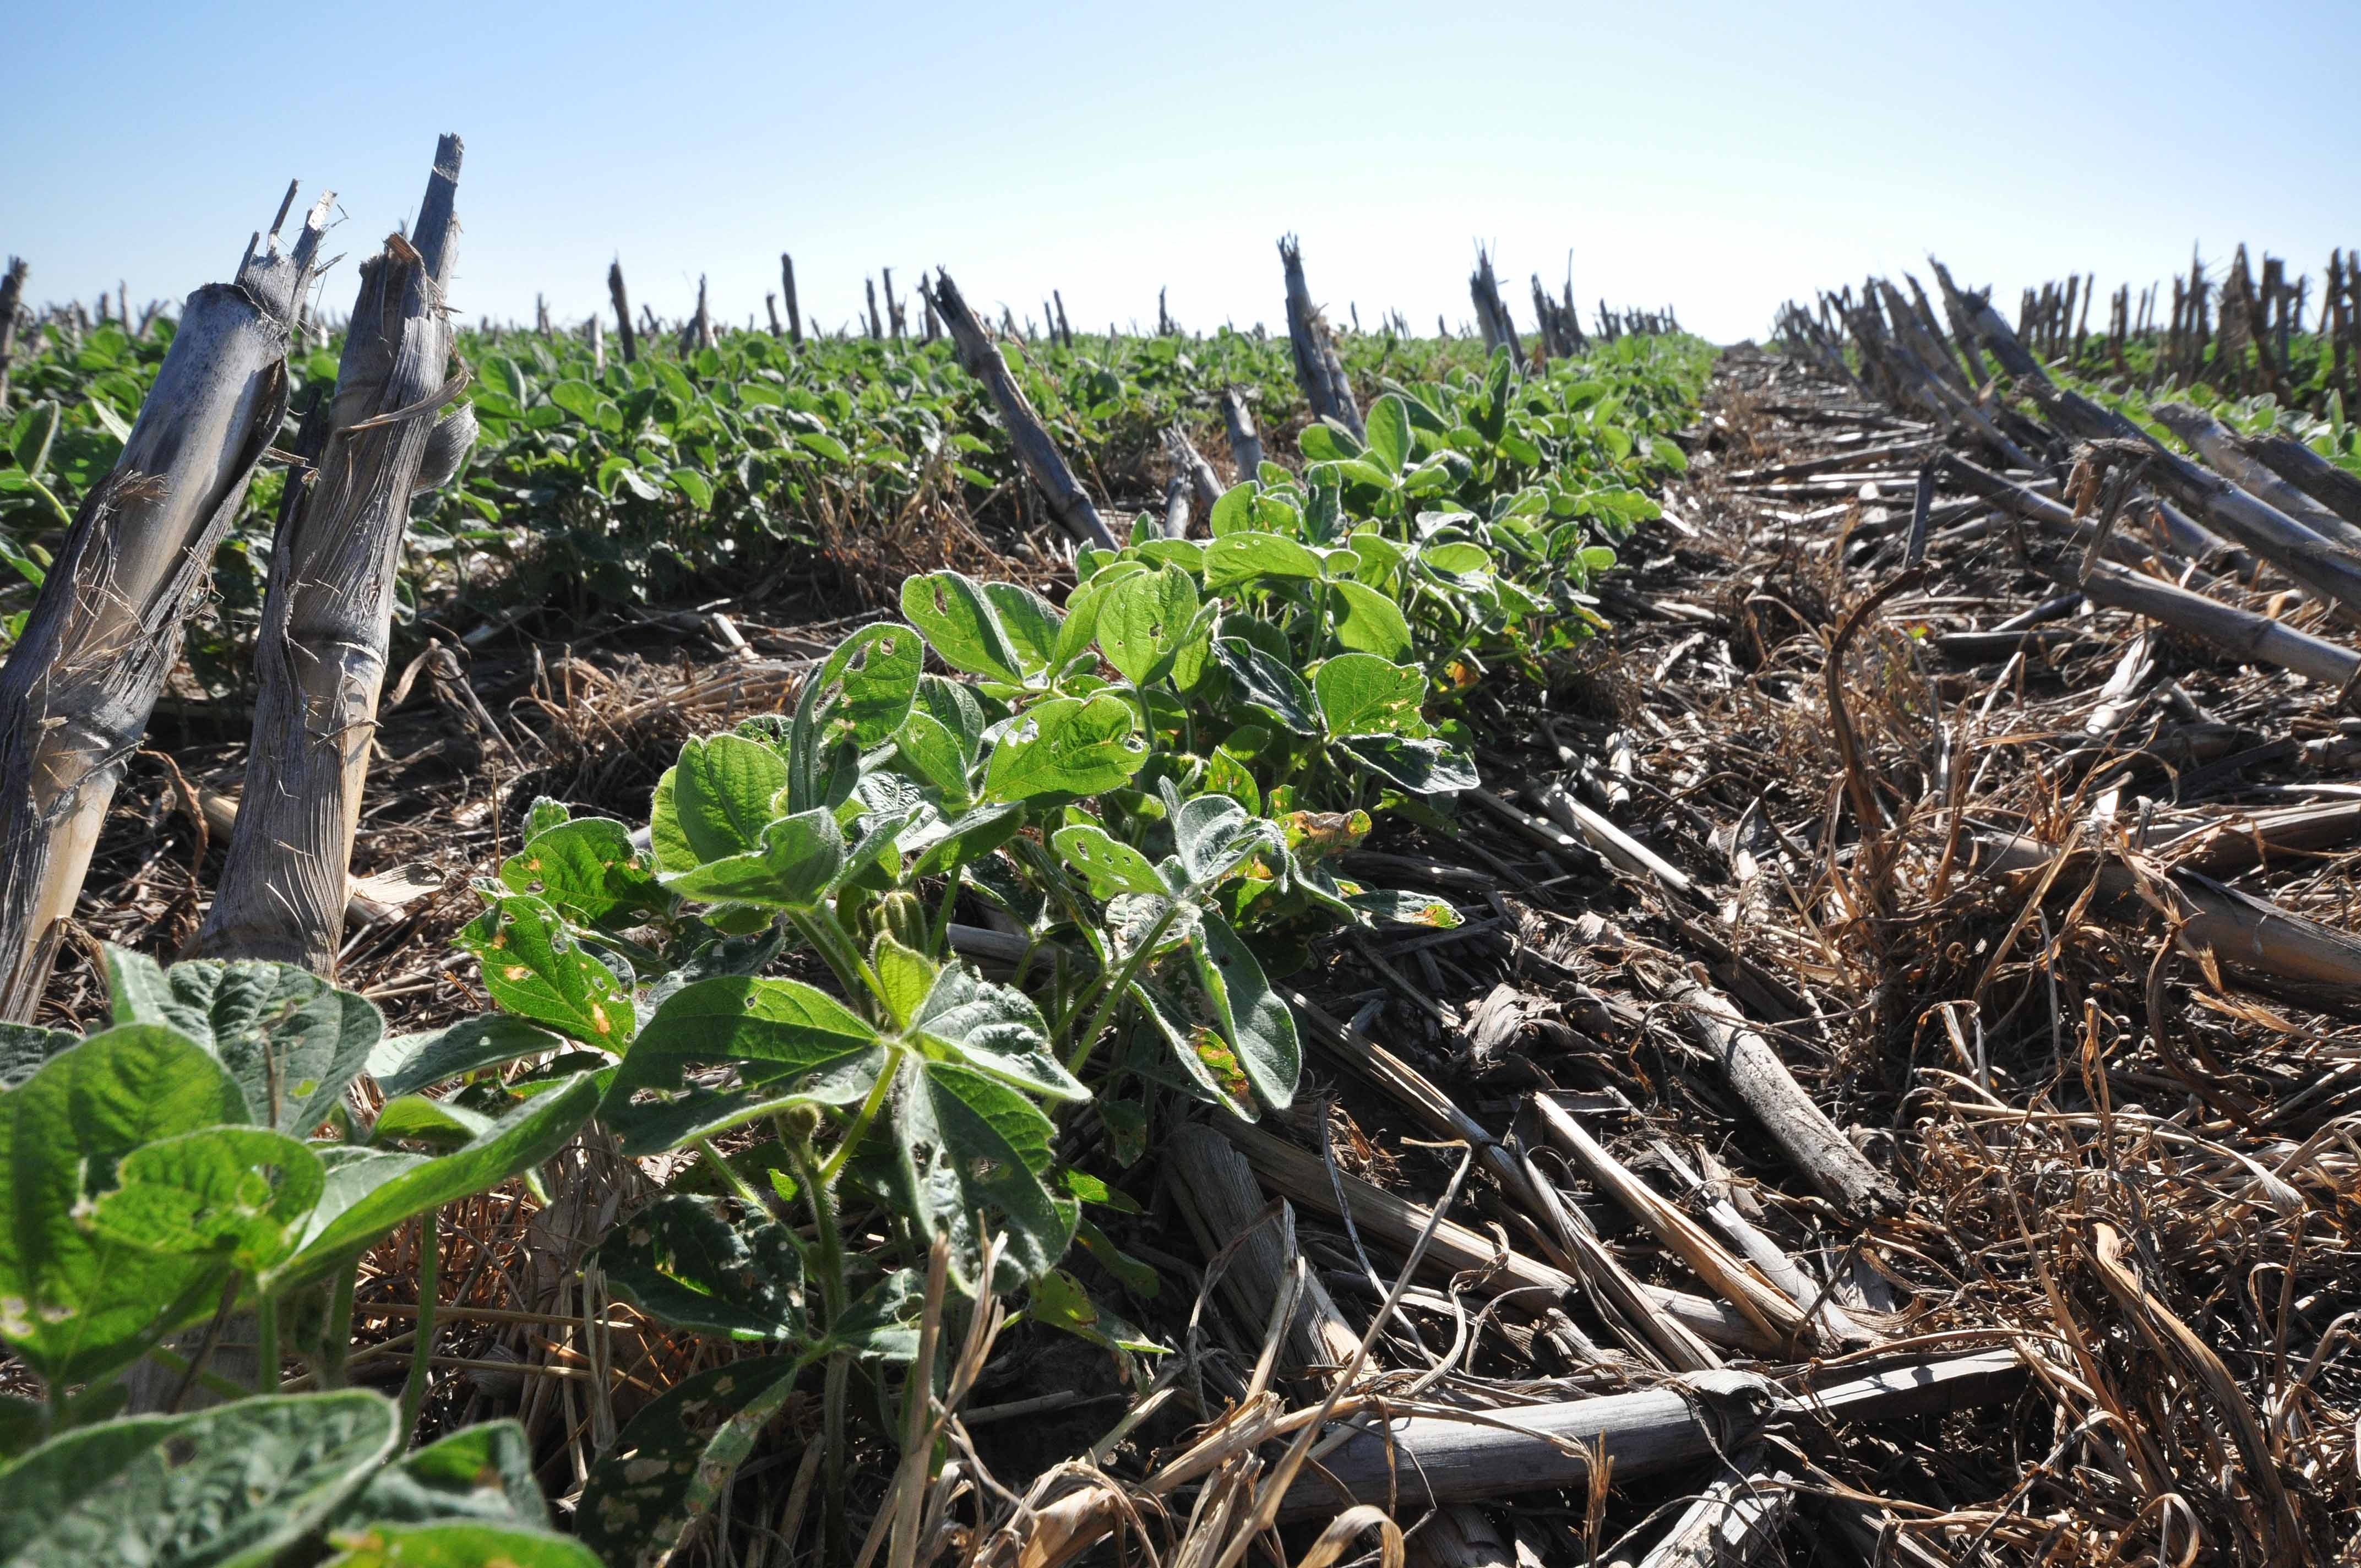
684,1260
291,1039
589,869
960,625
78,1306
1066,746
235,1484
1110,865
971,1151
675,1460
237,1194
534,965
995,1029
1142,619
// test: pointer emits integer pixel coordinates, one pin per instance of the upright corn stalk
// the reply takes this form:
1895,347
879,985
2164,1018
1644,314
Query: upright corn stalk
11,289
1317,369
328,608
77,690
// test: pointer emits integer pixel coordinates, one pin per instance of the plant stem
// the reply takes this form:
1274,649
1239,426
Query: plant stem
828,1250
729,1177
852,971
430,1258
860,1128
339,1334
1114,993
266,1346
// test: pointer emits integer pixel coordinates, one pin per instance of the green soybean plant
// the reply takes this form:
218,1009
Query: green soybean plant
196,1159
1146,789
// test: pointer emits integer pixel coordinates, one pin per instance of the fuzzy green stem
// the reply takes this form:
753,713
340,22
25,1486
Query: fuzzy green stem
266,1345
852,971
827,1256
430,1258
1114,994
860,1128
337,1335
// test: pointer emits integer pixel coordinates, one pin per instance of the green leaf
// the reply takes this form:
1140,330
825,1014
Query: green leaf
685,1261
36,427
671,1464
821,443
1141,619
579,398
959,624
876,671
587,868
533,967
235,1193
1252,1018
774,1029
994,1028
1387,425
235,1484
1232,513
1267,685
971,1148
458,1544
1406,908
695,485
1030,623
406,1063
1242,557
1066,746
24,1048
291,1039
933,755
904,974
1111,865
1371,622
792,867
78,1306
1361,694
1213,835
722,790
482,1472
1421,766
368,1197
415,1119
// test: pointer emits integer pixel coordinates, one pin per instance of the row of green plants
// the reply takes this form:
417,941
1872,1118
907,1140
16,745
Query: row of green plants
1142,794
620,484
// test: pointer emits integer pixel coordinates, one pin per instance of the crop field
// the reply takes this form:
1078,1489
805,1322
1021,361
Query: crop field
958,941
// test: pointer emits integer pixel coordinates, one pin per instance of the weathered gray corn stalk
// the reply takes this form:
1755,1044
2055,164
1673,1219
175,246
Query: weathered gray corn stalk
787,288
877,328
1492,317
328,608
77,689
12,294
1190,465
1245,442
980,358
893,324
595,329
622,313
1317,369
771,303
698,331
2308,471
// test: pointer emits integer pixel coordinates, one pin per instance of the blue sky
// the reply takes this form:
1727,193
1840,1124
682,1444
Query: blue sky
1719,156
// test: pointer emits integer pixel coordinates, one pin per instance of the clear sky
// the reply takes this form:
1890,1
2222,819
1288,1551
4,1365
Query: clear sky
1720,154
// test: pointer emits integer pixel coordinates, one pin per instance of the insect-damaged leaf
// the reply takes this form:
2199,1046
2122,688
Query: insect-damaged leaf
971,1150
291,1040
684,1260
675,1460
232,1485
